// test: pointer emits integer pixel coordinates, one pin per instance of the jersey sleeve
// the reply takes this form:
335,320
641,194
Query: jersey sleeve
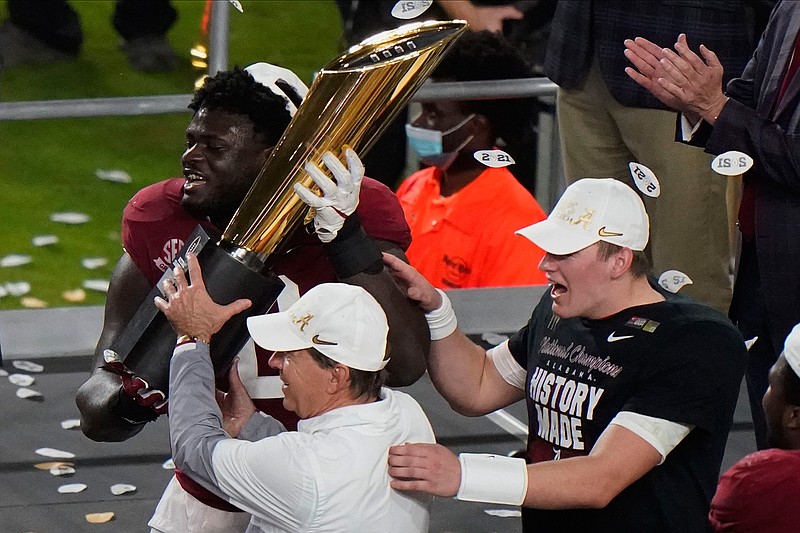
517,345
381,214
695,378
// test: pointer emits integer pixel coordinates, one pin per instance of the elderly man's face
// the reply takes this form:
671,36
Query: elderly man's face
578,283
223,157
774,404
306,385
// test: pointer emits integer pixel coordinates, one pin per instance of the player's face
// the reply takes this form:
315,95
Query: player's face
304,382
774,404
222,158
448,117
578,283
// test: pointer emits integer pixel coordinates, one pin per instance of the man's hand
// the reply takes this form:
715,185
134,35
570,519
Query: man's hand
236,405
414,284
190,309
339,199
429,468
681,80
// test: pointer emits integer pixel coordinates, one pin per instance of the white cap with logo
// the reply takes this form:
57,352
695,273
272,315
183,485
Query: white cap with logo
592,210
791,349
267,75
343,322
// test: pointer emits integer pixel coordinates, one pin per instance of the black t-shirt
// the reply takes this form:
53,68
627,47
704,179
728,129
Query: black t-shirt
676,360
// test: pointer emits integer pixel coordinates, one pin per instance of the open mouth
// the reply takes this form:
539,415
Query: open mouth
192,179
556,290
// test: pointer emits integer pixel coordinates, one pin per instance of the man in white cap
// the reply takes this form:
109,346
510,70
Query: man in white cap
239,116
630,389
755,494
330,475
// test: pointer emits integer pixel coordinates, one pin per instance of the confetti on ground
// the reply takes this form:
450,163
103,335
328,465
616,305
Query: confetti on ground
27,366
122,488
237,5
70,217
33,303
62,470
55,454
29,394
117,176
3,291
99,285
503,513
18,288
72,423
100,518
15,260
72,488
3,373
169,464
76,295
45,240
21,380
93,263
52,464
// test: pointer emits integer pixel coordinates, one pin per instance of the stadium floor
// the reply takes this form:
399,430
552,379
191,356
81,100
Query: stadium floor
30,501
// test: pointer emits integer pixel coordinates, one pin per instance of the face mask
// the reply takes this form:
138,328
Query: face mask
427,144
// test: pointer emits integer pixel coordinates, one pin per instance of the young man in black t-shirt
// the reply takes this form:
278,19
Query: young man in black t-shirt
630,389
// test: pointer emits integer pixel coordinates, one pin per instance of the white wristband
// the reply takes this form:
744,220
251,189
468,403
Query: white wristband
442,321
492,479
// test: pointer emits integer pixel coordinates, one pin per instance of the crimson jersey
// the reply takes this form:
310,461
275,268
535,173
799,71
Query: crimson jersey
155,226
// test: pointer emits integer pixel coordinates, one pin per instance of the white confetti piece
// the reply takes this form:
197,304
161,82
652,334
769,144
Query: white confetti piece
3,291
169,464
117,176
93,263
645,179
75,295
29,394
51,464
237,5
62,470
33,303
70,217
100,518
55,454
503,513
72,488
732,163
45,240
749,343
72,423
3,373
409,10
99,285
15,260
27,366
673,280
110,356
18,288
493,158
21,380
494,339
122,488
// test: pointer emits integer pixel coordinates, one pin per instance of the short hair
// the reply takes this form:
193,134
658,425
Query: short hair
236,91
640,265
484,55
362,383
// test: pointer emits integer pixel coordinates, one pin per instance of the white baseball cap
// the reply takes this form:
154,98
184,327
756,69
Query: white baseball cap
592,210
791,349
267,75
342,321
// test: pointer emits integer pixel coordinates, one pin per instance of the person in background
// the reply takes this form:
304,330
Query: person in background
464,209
754,495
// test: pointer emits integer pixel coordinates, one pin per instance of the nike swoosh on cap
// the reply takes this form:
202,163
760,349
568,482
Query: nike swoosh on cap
603,233
316,340
612,337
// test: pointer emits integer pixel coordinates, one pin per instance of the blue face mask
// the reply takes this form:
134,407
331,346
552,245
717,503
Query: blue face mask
427,144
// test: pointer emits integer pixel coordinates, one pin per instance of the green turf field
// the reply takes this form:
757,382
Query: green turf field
49,166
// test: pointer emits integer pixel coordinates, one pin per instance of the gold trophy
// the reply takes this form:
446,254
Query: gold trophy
351,102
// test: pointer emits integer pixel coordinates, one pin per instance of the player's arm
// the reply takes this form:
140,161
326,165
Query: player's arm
100,393
356,259
463,372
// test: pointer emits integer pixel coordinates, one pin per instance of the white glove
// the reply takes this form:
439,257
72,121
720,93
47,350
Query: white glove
339,200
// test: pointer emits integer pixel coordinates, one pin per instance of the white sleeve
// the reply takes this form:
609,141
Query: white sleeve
507,366
687,130
663,435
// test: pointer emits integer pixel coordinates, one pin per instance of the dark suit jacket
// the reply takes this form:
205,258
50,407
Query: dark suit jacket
582,28
751,123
